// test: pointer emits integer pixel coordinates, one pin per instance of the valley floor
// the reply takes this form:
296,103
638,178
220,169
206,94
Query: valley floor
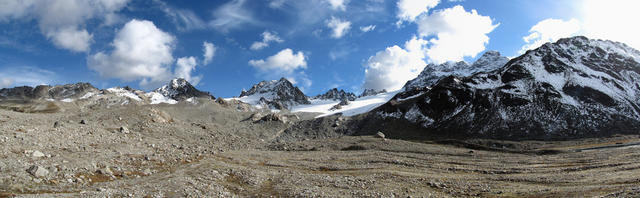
203,151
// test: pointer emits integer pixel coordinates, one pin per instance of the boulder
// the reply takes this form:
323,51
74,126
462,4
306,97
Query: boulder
38,171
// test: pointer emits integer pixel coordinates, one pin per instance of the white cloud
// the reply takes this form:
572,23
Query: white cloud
184,67
284,61
285,64
141,51
339,27
392,68
267,37
338,4
458,33
71,39
231,15
63,21
208,50
549,30
612,20
25,75
409,10
367,28
609,20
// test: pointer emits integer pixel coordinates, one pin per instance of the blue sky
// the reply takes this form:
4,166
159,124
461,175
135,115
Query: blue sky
318,44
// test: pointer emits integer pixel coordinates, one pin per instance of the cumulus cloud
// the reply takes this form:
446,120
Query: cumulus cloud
549,30
71,39
141,51
338,4
26,75
184,67
392,68
597,20
208,50
339,27
267,37
232,15
63,21
409,10
457,33
286,64
612,20
367,28
284,61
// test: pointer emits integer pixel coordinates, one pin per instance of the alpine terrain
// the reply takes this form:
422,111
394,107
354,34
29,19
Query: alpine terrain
562,120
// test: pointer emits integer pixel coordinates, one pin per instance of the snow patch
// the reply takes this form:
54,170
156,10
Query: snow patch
124,93
358,106
157,98
89,95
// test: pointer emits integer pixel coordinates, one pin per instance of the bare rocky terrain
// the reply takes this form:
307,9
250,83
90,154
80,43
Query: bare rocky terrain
217,149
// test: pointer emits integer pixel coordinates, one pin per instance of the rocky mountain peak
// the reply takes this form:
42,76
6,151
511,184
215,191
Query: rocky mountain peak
181,89
278,94
490,60
335,94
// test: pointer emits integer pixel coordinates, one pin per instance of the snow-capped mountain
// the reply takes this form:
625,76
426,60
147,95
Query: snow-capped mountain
490,60
179,89
275,94
335,94
573,88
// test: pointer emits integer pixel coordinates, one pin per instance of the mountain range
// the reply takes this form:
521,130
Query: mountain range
575,87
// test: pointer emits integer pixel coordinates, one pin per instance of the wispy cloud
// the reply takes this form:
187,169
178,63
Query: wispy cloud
183,19
232,15
26,75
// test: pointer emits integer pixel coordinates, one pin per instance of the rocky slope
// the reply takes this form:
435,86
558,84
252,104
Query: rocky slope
280,94
87,95
335,94
573,88
371,92
46,92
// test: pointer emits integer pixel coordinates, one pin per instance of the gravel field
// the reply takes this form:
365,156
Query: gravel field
209,149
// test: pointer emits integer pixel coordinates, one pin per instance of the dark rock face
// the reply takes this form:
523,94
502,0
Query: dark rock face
371,92
339,105
279,94
47,92
335,94
179,89
573,88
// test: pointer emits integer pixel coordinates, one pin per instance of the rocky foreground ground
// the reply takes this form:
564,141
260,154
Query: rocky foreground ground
207,149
